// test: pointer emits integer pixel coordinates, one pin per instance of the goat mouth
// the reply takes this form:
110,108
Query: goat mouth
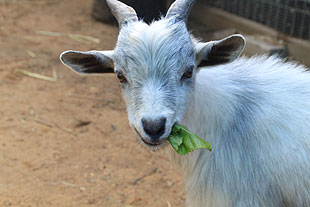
147,142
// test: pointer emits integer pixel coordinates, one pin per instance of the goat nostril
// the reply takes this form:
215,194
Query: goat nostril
154,127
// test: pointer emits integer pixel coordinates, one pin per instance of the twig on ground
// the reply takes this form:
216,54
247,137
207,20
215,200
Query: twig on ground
31,54
55,76
153,171
41,121
81,123
76,37
54,34
34,75
68,184
84,38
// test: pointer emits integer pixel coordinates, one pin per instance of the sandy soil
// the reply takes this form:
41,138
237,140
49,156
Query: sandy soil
68,143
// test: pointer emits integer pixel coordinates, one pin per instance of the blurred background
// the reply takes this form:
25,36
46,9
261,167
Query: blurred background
64,138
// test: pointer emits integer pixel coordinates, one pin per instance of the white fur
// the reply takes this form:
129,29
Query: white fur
255,112
268,162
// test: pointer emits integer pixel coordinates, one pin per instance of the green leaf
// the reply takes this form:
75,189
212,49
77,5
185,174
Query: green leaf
184,141
175,141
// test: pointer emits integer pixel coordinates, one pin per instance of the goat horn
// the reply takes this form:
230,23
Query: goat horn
122,12
180,9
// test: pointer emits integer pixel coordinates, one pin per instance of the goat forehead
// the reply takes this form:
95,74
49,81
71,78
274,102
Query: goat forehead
153,96
157,47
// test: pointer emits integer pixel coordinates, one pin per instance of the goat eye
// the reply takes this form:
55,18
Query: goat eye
121,77
188,74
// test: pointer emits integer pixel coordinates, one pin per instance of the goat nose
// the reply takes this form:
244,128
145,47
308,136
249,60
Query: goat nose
154,127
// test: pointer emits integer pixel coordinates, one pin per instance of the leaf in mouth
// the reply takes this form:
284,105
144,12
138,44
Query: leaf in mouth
184,141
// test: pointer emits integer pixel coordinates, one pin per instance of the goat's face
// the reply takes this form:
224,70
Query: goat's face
156,66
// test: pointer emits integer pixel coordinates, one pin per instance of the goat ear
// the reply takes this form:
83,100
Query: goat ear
219,52
91,62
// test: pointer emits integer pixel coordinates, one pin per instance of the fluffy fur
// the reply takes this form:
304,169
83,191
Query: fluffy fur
255,112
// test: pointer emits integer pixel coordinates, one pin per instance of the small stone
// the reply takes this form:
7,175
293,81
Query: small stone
31,112
92,201
113,127
90,181
170,183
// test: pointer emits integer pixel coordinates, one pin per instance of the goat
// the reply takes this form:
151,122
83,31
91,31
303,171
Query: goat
254,111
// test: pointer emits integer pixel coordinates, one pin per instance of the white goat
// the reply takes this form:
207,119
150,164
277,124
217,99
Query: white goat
255,112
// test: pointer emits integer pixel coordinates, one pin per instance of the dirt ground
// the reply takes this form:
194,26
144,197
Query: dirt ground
68,143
